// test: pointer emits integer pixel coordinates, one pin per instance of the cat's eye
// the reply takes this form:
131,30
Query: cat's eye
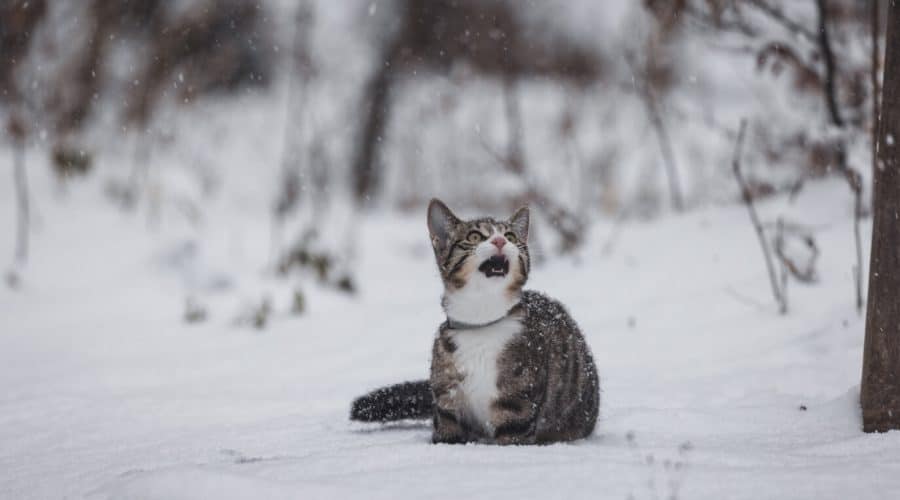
512,238
474,237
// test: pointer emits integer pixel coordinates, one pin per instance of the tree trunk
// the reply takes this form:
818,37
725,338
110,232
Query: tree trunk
377,101
880,391
365,168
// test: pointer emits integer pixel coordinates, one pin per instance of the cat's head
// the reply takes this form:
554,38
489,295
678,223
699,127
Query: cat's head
483,262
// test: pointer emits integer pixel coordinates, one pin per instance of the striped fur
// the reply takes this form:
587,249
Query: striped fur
508,366
547,388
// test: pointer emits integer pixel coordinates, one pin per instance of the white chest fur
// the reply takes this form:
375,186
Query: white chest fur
476,356
481,300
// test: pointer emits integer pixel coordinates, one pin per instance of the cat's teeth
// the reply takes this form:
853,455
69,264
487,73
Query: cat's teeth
498,265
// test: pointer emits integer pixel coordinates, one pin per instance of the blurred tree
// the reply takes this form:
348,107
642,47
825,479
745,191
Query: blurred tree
437,35
211,47
17,132
880,391
18,20
197,48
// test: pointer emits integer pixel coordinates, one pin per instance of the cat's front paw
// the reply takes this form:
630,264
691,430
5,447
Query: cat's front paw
445,438
513,440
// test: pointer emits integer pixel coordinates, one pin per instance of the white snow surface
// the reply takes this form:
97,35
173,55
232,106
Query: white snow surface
106,393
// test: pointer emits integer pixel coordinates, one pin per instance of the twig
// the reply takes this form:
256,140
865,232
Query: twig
514,149
754,219
614,233
569,226
665,146
855,181
828,57
744,300
782,258
851,175
823,40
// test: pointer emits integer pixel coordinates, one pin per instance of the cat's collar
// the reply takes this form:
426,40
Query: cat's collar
462,325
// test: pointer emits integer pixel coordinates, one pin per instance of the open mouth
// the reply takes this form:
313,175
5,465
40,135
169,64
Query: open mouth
497,265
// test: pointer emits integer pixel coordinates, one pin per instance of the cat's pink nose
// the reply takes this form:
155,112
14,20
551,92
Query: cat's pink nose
498,242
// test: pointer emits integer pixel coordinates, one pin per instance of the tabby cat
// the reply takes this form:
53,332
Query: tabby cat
508,366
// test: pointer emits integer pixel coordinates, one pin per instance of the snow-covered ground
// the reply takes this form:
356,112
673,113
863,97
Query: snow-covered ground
105,392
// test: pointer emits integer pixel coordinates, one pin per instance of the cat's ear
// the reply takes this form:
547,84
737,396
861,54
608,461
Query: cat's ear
519,222
440,222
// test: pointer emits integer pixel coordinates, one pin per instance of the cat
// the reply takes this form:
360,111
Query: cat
508,366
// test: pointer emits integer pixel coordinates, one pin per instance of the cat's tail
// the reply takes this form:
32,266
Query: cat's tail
409,400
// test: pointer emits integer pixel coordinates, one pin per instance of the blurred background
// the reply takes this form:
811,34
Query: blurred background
212,238
300,117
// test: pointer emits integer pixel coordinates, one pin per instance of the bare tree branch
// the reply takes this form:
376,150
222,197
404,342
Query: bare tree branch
665,146
662,134
830,71
514,149
858,269
754,219
852,177
569,226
